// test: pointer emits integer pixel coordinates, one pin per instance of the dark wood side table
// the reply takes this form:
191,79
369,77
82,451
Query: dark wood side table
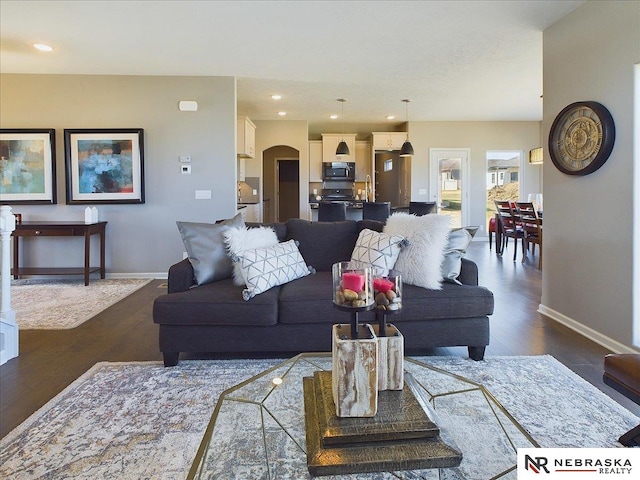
60,229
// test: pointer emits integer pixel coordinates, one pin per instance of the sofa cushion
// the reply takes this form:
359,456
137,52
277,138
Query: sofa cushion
218,303
206,248
420,262
380,250
457,244
323,243
263,268
310,300
452,301
240,239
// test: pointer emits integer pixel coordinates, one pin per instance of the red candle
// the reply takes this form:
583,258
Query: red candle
382,285
353,281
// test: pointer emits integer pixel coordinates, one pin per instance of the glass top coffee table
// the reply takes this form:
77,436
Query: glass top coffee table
257,430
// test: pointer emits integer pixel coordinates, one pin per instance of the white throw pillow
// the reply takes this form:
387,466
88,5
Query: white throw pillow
263,268
240,239
419,262
378,249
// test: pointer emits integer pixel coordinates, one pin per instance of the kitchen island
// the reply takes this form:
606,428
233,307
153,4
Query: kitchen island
354,210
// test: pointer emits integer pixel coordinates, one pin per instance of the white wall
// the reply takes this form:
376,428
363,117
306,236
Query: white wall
588,220
140,238
479,137
292,133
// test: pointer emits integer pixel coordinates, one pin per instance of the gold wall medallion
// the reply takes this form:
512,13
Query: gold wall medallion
581,138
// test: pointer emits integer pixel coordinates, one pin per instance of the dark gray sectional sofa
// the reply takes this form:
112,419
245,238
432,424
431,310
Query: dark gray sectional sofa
297,316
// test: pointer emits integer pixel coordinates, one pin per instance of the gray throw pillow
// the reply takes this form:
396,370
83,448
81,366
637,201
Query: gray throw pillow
458,242
206,248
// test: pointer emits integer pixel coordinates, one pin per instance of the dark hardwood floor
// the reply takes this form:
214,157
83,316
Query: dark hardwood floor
50,360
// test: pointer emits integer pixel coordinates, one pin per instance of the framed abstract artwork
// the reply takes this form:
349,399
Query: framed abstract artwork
27,166
104,165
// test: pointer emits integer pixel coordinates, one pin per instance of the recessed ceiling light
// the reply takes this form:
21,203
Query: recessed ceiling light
282,114
390,117
43,47
333,117
275,96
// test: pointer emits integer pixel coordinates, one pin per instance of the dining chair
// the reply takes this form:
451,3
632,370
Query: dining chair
509,226
332,211
422,208
532,228
376,211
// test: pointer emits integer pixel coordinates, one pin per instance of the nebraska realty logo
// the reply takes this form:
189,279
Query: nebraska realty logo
580,463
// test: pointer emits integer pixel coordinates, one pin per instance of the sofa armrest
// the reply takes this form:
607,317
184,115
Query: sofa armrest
468,272
181,277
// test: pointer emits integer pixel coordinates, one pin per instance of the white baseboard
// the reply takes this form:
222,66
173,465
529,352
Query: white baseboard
609,343
155,276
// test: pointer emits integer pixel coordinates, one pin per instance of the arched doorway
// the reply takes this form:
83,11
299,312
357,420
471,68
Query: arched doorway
281,183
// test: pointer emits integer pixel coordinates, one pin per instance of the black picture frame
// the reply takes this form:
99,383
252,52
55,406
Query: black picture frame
104,165
28,166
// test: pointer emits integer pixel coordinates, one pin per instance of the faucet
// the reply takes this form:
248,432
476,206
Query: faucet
368,187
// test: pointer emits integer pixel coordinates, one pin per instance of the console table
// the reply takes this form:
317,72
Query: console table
60,229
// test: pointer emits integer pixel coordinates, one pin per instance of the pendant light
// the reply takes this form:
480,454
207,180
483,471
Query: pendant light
407,148
343,148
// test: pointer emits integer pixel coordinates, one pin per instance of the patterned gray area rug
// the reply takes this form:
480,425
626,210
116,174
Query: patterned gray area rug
144,421
57,304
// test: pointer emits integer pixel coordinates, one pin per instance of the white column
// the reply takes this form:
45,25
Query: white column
8,325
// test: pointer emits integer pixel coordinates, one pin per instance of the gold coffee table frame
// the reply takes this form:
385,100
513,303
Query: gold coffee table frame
257,429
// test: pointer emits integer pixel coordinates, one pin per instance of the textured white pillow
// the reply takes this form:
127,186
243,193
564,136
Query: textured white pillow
420,261
378,249
263,268
240,239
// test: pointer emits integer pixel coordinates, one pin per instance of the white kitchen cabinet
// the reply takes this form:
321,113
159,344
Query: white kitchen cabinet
246,138
315,161
251,212
241,169
330,143
363,160
388,140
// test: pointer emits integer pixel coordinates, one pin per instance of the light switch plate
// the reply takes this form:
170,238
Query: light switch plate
185,158
203,194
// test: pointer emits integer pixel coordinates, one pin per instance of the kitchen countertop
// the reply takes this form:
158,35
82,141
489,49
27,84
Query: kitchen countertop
354,205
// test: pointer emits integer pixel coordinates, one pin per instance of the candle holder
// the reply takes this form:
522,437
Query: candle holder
352,290
387,291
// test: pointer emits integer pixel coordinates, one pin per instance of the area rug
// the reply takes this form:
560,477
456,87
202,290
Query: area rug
58,304
144,421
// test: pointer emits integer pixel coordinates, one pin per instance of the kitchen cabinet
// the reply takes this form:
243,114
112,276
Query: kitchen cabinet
250,212
246,147
363,160
241,169
330,143
388,140
315,161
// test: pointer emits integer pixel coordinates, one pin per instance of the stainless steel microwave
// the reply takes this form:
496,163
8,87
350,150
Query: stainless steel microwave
339,171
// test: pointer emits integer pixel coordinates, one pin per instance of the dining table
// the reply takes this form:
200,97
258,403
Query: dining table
498,232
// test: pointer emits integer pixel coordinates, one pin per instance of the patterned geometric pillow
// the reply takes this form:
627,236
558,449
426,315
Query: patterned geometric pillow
378,249
243,238
263,268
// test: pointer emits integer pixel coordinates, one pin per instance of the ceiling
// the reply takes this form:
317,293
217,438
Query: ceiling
455,60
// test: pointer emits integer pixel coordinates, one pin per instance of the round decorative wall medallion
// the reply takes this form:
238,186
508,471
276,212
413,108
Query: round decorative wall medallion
581,138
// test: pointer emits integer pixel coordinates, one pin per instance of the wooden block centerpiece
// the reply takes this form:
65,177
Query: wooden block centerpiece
355,371
390,357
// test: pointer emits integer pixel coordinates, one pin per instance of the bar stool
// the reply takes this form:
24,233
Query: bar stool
422,208
332,211
376,211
